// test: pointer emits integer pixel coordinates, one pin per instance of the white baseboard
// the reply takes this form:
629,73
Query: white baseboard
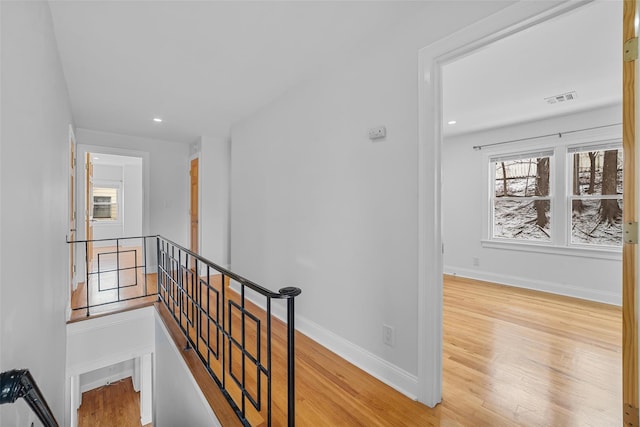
537,285
390,374
117,376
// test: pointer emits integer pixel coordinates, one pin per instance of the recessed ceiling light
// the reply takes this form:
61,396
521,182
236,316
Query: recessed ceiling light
451,122
157,119
96,158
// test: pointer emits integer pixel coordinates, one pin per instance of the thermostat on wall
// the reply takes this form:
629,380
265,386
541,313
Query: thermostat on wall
377,132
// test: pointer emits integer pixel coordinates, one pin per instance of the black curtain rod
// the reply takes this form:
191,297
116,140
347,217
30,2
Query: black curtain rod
480,147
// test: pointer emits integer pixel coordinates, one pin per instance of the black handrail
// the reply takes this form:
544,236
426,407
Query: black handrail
19,383
180,289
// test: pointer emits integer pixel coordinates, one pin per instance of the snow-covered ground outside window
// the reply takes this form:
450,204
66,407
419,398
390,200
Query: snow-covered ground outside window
522,203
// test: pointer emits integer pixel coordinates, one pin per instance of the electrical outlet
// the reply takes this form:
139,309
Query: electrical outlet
388,336
476,262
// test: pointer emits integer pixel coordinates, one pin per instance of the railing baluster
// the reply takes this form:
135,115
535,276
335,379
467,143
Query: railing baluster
158,270
117,268
244,346
269,361
86,273
208,320
225,328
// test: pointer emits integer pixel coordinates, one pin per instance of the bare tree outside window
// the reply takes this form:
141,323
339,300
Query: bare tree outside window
542,189
521,202
610,211
597,197
576,204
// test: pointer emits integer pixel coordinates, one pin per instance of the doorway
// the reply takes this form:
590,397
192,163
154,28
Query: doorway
515,224
432,60
115,195
111,191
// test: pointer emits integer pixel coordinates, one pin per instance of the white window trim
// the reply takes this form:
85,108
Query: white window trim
560,193
110,183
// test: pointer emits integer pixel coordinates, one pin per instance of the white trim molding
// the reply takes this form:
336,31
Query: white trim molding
390,374
605,297
431,59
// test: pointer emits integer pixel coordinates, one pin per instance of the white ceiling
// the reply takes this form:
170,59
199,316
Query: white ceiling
201,65
508,81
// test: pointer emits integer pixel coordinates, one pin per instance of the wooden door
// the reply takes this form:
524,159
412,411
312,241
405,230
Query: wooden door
193,205
629,250
89,206
72,209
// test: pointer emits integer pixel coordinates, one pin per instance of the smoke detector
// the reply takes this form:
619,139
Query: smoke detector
563,97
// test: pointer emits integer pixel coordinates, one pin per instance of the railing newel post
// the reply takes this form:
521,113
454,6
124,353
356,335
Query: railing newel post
290,293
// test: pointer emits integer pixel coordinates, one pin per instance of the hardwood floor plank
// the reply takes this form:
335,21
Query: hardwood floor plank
511,357
111,405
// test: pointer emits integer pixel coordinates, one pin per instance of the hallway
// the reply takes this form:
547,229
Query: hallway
116,404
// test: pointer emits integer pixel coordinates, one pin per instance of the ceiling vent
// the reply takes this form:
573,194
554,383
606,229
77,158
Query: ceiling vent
563,97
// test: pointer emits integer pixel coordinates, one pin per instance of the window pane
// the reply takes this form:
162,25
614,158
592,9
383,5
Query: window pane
102,211
597,172
590,223
105,203
522,219
101,199
522,177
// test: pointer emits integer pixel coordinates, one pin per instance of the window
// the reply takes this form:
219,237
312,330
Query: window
596,195
521,201
565,194
105,203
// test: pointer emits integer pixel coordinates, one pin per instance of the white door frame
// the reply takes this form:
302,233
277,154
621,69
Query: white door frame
504,23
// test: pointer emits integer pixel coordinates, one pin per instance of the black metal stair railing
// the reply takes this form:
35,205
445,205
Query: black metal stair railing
19,383
231,335
115,270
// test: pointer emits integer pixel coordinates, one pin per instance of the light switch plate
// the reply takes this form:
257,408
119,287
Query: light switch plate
377,132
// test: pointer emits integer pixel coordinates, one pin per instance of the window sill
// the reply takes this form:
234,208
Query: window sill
614,254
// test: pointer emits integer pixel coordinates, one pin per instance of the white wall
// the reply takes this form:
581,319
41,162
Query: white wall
214,161
133,198
166,179
316,204
178,399
33,192
102,348
108,374
462,207
104,341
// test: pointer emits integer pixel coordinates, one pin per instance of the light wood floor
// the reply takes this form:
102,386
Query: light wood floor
104,294
511,357
109,406
519,357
